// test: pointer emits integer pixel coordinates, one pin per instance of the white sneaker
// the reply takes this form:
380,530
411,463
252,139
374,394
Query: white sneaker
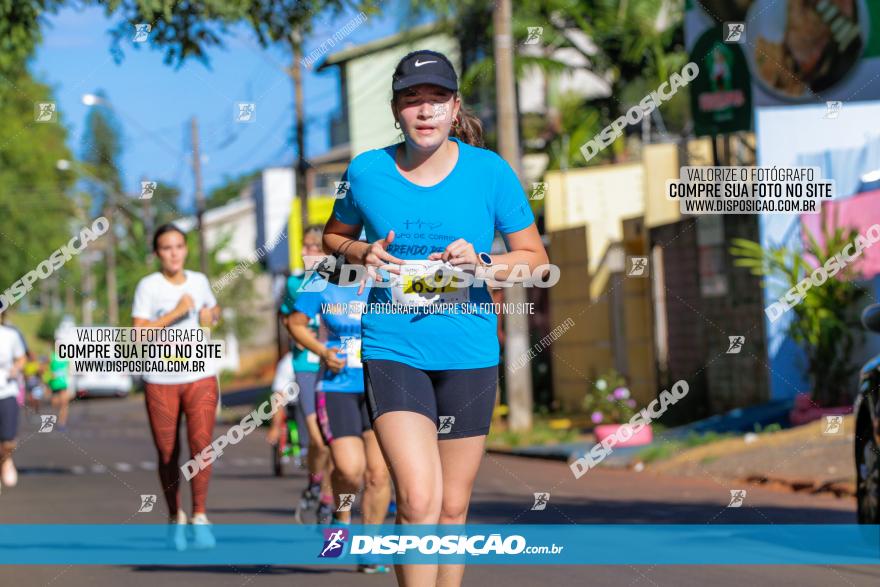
177,531
9,473
203,537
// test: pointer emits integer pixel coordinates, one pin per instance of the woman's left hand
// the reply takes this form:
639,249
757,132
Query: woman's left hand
458,252
206,317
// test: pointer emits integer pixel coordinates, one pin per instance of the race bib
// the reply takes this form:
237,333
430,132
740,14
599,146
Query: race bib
417,285
353,354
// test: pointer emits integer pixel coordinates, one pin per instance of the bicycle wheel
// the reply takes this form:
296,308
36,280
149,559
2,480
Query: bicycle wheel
277,463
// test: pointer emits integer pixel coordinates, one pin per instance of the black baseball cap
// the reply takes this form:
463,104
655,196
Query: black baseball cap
424,67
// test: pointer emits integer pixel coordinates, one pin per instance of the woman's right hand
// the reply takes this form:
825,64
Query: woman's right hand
184,305
376,257
333,362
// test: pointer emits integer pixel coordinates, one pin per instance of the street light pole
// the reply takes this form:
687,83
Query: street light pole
516,326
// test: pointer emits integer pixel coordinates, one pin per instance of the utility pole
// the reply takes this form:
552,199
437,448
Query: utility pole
200,196
88,279
516,326
300,127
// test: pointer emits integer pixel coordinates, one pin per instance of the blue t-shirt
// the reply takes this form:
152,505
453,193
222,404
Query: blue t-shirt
340,309
304,360
480,195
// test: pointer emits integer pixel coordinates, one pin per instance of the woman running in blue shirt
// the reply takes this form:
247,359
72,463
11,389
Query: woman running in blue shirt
436,198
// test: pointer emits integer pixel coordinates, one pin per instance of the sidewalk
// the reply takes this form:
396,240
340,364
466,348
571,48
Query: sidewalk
798,459
735,421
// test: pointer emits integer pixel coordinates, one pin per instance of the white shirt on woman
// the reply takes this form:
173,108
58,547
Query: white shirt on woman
155,297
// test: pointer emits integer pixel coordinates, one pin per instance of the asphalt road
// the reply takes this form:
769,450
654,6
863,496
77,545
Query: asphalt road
96,471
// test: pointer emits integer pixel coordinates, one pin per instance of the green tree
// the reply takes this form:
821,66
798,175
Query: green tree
634,46
231,188
19,35
35,213
101,149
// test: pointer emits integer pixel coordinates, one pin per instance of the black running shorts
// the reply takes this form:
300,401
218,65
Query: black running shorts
341,414
458,401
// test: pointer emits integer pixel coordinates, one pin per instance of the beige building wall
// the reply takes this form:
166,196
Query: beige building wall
598,198
587,211
586,341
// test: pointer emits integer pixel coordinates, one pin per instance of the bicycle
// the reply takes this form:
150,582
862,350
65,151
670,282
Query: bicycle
286,447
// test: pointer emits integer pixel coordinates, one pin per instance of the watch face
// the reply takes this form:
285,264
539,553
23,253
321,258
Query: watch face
485,258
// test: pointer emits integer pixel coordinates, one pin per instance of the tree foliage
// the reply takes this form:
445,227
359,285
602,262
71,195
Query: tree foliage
231,188
184,30
20,34
633,45
35,212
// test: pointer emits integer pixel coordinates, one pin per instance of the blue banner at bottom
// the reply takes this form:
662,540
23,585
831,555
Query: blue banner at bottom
275,544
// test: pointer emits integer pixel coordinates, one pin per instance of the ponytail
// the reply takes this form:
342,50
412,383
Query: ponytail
467,128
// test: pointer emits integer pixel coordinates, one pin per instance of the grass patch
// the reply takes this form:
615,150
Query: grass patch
664,450
541,434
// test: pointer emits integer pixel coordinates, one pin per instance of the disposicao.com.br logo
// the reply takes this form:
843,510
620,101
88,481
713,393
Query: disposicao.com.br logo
449,544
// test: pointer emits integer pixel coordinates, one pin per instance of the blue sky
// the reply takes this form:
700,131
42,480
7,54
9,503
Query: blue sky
154,101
